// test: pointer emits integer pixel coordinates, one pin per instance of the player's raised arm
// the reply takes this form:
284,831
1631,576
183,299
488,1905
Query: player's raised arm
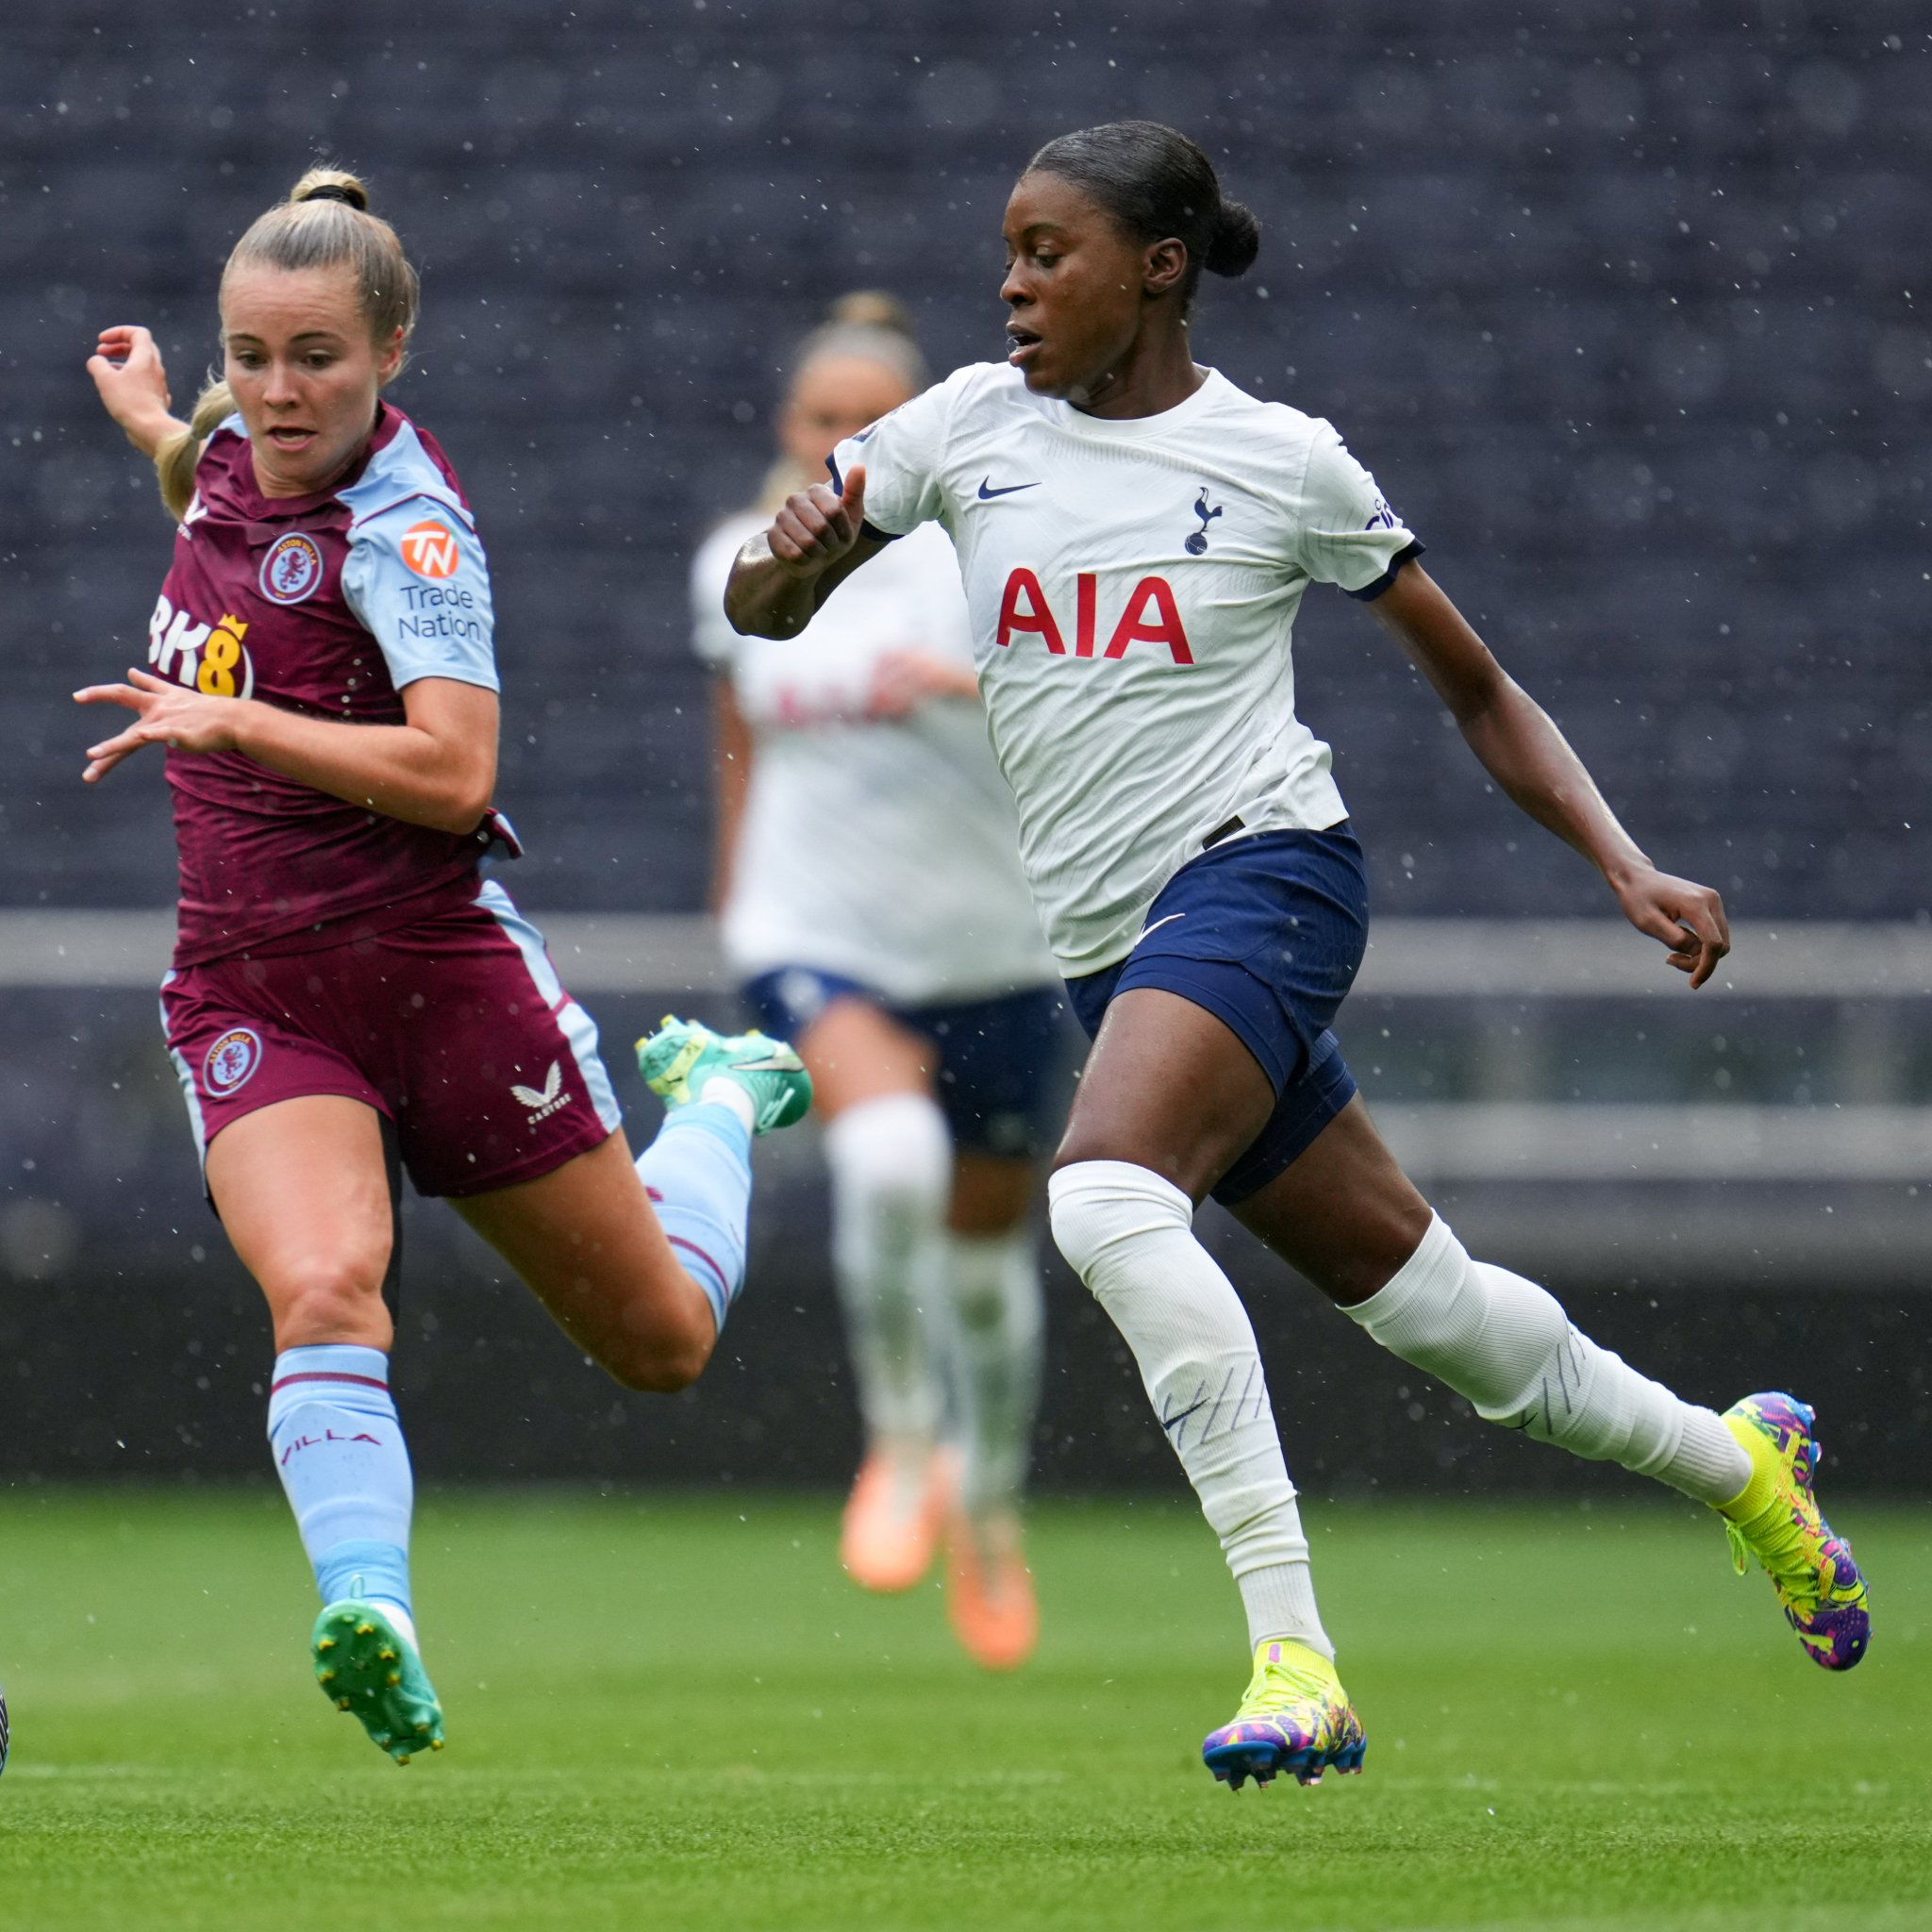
816,541
1521,748
129,374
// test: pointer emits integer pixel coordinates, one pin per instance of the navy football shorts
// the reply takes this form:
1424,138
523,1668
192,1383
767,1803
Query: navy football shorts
1266,933
999,1058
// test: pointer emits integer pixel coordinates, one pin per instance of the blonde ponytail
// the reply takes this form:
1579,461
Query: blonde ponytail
783,482
176,456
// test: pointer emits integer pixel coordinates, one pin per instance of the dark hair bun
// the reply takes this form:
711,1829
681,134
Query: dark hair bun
1236,241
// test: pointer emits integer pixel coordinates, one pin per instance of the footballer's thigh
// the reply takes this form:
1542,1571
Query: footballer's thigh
1169,1086
1343,1214
302,1190
586,1241
855,1051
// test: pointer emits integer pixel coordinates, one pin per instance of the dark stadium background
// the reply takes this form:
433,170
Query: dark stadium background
1625,306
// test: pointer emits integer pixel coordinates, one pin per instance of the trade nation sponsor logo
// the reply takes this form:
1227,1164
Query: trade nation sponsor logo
430,549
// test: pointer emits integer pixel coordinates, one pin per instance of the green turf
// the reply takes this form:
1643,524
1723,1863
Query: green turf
676,1713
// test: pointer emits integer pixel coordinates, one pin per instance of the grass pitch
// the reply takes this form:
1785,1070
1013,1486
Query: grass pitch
677,1713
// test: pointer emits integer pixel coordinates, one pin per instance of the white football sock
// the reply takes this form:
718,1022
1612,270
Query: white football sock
996,1346
891,1162
721,1090
1129,1234
1506,1344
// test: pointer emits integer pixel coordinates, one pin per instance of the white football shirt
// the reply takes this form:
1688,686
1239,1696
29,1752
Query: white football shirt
1133,586
883,849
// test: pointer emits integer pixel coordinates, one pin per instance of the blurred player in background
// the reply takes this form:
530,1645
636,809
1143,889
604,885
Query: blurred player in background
1135,535
869,885
348,995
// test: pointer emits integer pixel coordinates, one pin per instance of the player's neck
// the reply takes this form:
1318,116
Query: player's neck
1158,373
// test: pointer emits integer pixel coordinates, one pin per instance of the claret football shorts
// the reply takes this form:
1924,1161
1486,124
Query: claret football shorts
455,1028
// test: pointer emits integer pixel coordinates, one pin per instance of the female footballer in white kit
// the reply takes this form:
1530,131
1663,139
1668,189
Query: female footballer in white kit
1135,535
870,890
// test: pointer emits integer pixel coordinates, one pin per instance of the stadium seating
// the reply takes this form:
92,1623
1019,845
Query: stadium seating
1618,320
1617,310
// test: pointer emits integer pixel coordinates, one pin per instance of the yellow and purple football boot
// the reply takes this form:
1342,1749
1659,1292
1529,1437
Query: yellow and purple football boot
1295,1717
1777,1520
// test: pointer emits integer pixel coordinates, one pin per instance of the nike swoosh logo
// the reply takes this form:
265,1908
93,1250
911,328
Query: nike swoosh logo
986,493
1156,927
1185,1413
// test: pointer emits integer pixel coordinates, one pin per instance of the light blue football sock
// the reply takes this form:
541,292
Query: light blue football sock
697,1173
338,1450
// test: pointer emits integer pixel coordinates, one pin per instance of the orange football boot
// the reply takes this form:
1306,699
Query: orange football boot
892,1517
990,1600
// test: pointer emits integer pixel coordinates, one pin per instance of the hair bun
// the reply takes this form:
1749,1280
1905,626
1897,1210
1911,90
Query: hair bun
1236,241
871,308
331,184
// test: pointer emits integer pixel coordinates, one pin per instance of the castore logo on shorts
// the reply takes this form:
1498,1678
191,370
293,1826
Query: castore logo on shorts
231,1059
208,658
546,1102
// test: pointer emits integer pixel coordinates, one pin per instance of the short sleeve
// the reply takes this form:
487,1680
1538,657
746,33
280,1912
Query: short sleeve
711,635
1349,536
901,455
418,582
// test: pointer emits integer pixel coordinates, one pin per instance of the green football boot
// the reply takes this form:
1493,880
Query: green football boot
683,1055
367,1666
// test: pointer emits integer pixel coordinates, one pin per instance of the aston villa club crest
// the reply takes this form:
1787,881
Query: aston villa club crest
231,1059
291,568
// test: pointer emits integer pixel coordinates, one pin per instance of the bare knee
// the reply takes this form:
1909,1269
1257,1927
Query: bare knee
659,1352
331,1298
657,1372
990,1194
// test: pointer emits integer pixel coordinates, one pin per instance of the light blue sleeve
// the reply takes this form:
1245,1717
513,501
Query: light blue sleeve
417,579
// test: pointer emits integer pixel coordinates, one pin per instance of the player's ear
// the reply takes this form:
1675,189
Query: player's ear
1166,264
